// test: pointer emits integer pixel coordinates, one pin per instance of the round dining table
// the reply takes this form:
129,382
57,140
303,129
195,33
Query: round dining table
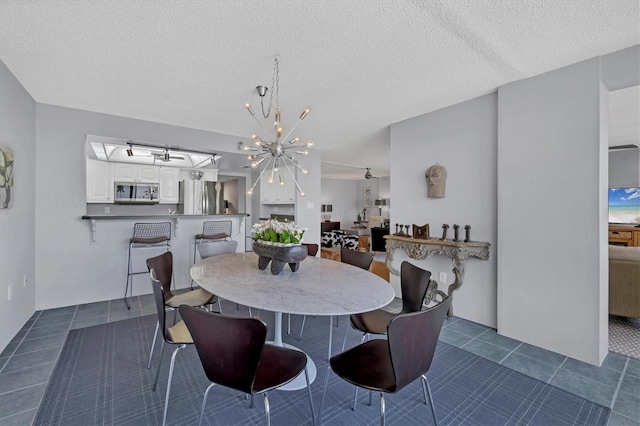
319,287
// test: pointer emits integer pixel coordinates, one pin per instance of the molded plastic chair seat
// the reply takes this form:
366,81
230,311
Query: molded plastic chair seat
197,297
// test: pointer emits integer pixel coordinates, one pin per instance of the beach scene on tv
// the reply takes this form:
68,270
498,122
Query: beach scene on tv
624,205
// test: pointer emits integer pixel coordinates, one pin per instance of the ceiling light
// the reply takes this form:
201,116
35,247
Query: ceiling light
275,149
367,174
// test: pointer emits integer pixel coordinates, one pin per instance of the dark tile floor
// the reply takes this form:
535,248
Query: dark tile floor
27,362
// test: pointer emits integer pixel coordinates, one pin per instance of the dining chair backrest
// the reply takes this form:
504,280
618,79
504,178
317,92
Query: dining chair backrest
312,249
216,229
229,346
159,299
361,259
162,267
414,282
412,340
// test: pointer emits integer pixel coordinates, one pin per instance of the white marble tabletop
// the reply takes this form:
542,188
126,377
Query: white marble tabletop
319,287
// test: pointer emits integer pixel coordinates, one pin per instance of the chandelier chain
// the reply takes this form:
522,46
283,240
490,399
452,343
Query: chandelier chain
275,87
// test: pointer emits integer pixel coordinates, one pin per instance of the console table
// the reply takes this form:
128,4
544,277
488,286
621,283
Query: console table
419,249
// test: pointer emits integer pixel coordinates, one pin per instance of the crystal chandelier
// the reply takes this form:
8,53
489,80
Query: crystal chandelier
275,153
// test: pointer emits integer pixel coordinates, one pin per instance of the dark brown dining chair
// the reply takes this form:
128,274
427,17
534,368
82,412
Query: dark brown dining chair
414,282
176,335
162,268
388,365
312,249
234,354
361,259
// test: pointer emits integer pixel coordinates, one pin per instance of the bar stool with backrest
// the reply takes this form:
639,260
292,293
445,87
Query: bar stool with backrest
145,235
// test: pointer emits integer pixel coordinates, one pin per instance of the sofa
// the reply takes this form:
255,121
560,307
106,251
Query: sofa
624,281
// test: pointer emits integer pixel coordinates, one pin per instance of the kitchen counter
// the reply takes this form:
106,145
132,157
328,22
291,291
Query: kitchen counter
238,218
161,215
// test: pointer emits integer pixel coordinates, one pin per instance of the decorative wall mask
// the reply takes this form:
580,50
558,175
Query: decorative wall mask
436,179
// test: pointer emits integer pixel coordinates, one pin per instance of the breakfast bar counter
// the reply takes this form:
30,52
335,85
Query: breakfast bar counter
175,217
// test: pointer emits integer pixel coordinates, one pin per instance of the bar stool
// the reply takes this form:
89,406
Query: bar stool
146,235
212,230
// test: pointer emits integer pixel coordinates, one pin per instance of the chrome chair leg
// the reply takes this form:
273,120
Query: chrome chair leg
155,382
313,414
204,402
266,409
153,345
288,323
330,337
355,397
425,383
166,399
381,409
129,280
324,392
304,319
219,305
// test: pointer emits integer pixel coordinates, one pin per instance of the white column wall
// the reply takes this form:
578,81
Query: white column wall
551,211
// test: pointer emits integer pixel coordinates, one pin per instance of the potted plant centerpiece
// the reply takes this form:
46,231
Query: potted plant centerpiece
279,243
277,233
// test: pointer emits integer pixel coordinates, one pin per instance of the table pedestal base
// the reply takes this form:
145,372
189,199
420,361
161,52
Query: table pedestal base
299,382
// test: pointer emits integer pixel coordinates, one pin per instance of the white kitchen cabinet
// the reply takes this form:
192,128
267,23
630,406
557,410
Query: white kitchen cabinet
274,193
125,172
99,181
169,185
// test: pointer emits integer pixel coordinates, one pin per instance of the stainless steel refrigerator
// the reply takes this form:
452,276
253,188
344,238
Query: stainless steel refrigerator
201,197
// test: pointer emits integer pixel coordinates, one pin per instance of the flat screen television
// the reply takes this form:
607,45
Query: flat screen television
624,205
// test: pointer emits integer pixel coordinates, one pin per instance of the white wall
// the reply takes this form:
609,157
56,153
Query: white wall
341,194
552,216
463,139
624,168
17,230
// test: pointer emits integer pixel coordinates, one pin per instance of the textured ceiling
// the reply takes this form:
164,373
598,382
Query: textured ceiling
360,65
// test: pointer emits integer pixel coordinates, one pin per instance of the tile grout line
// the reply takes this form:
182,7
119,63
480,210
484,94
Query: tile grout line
557,369
620,380
510,353
474,338
56,362
19,343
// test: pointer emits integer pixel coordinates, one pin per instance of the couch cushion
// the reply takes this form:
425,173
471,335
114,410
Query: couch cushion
624,253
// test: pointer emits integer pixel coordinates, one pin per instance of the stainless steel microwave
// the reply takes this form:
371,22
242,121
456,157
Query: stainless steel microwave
136,193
